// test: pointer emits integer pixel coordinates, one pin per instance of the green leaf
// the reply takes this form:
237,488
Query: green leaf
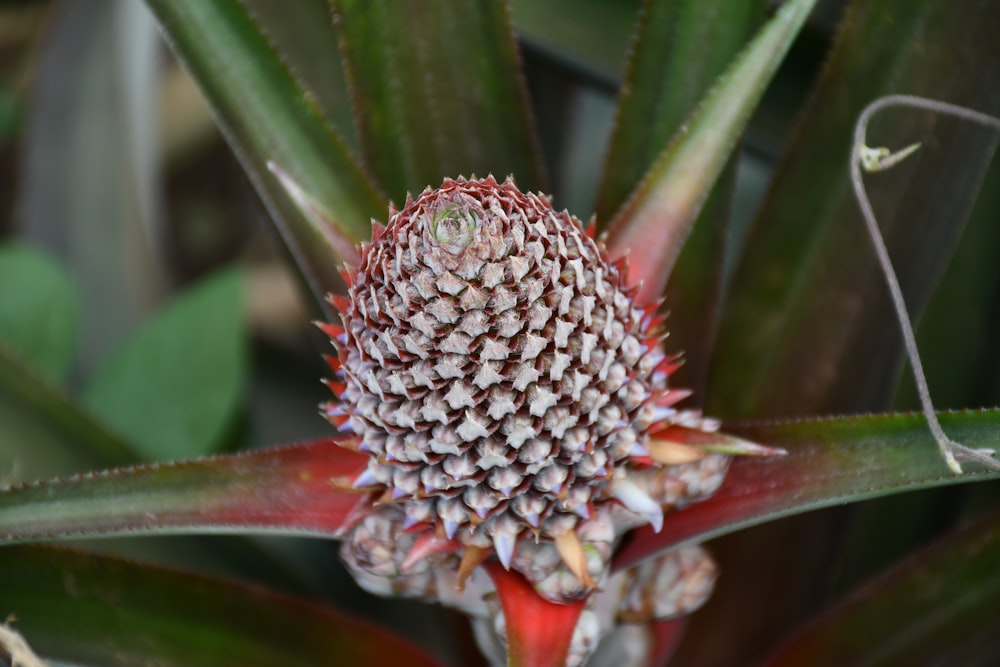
290,490
307,41
43,433
592,35
829,462
957,335
37,319
654,222
11,112
88,192
174,388
940,607
437,92
92,610
809,328
879,532
680,50
269,116
694,293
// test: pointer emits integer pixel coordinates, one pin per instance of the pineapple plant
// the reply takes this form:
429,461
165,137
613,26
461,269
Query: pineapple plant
515,436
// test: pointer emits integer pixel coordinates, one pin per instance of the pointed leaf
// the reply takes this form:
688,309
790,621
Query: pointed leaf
680,50
92,610
963,374
43,433
538,631
437,92
307,41
829,462
291,490
268,116
667,635
939,607
694,294
38,319
174,387
654,222
808,328
589,35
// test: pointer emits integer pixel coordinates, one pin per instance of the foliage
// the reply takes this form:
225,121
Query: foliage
774,296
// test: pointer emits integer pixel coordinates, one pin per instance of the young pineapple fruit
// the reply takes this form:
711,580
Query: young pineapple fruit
511,394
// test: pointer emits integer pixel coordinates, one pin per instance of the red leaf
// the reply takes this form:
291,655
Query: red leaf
830,462
538,631
301,489
667,636
98,610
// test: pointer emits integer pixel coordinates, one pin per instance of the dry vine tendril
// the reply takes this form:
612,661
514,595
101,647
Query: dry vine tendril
879,159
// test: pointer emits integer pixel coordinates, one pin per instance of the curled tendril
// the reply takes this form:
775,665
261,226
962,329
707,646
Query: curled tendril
878,159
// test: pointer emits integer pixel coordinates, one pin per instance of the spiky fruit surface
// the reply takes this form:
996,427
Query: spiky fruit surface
495,367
